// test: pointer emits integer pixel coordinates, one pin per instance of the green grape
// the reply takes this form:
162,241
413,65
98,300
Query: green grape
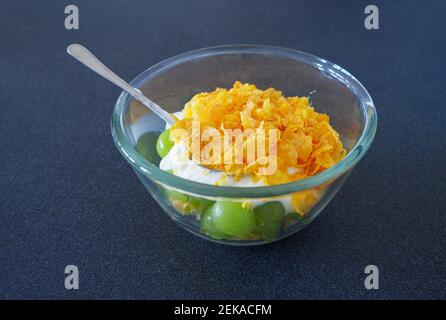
231,218
187,204
208,226
176,195
269,219
164,143
177,199
145,147
199,204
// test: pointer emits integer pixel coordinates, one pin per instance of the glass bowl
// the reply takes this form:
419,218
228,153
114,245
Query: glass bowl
173,82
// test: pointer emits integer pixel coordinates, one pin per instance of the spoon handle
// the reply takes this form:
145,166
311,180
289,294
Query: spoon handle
87,58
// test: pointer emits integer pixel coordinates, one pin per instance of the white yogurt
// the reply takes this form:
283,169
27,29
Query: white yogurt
177,160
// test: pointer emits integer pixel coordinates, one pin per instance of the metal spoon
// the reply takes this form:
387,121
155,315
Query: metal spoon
87,58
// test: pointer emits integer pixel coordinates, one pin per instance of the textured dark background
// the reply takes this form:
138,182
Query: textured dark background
68,197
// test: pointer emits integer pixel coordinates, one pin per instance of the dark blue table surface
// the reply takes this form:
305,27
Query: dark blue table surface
68,197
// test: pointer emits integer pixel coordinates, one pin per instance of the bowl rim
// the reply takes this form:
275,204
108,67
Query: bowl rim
365,102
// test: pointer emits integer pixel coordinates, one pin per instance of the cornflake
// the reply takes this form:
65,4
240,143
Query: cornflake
306,139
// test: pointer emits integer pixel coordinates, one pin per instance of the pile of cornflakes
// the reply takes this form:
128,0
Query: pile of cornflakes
306,140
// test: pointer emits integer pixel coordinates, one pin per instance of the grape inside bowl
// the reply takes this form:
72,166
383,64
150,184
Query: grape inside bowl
248,214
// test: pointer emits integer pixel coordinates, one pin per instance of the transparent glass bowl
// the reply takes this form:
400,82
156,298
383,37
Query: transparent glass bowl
174,81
